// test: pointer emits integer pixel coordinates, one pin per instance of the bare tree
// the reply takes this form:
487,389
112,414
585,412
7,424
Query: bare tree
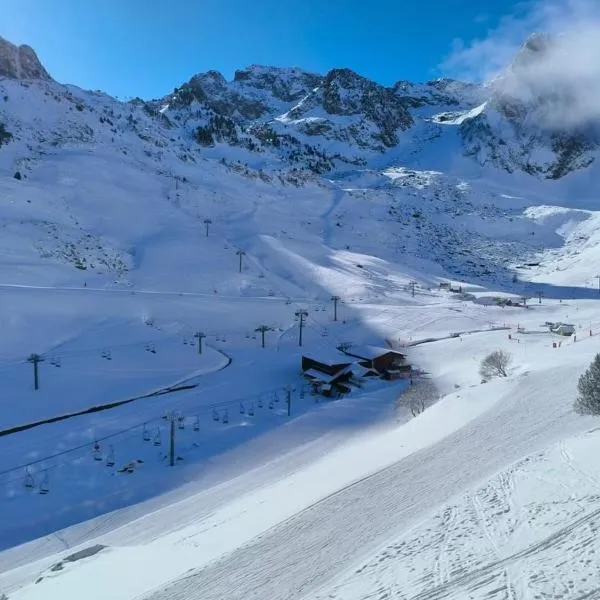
418,397
417,406
495,364
588,402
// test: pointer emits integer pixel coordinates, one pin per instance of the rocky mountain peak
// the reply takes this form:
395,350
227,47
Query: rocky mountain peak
287,84
348,93
20,62
537,86
536,43
209,83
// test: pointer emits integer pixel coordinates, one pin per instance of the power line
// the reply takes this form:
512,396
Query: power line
195,410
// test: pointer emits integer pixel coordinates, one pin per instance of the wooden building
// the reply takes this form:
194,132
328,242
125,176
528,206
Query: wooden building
328,363
330,385
399,372
374,357
328,372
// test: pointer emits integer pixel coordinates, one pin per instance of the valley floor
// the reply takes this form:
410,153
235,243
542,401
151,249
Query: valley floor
489,492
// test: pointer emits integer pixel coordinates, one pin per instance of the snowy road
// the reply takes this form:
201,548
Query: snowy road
302,554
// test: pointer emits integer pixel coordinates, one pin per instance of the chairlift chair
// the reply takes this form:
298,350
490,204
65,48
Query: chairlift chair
110,459
157,440
28,482
44,484
96,453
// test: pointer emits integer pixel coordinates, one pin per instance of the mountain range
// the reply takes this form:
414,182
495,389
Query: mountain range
446,172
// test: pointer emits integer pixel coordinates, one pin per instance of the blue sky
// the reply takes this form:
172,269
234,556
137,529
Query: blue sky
147,47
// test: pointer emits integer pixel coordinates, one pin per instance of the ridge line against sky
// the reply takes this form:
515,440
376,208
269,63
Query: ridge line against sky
143,48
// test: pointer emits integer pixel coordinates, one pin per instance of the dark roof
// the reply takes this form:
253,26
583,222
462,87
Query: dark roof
328,357
322,377
370,352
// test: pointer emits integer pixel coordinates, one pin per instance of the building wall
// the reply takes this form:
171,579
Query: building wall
386,361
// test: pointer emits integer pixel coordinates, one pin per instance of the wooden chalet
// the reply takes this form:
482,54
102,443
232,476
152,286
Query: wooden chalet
328,373
374,357
330,385
328,363
398,372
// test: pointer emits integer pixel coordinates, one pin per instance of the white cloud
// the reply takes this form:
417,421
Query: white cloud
566,74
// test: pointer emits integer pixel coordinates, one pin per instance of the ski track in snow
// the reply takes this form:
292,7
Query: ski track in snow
339,530
491,557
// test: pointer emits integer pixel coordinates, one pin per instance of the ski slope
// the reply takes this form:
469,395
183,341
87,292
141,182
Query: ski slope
109,274
335,502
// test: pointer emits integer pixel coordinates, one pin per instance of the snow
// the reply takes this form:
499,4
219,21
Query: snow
459,429
460,118
490,491
367,352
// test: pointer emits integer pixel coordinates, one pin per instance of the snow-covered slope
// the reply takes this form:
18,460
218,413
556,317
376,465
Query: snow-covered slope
132,232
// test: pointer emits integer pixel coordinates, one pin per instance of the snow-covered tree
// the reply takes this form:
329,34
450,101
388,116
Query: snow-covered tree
588,402
495,364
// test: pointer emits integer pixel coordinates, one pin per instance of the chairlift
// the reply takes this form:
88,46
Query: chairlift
251,410
242,408
28,482
260,402
145,434
197,423
110,459
225,417
44,484
157,440
181,422
97,453
271,405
